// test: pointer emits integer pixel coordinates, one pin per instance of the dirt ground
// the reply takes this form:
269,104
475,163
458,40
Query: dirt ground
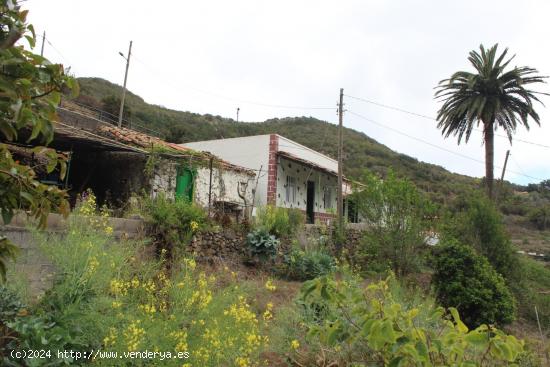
526,237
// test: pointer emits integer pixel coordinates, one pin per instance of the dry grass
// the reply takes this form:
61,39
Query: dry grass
525,237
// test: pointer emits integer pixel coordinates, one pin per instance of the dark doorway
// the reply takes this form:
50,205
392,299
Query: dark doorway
310,216
353,214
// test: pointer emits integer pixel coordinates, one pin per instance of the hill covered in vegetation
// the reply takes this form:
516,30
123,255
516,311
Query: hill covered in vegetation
360,151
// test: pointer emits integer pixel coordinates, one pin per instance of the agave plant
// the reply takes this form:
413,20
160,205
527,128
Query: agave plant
261,244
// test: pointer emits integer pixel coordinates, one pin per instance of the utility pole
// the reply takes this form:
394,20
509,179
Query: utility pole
43,41
497,196
504,168
238,109
340,209
124,86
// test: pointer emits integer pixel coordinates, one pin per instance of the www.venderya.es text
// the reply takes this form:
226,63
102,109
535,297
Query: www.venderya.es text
95,354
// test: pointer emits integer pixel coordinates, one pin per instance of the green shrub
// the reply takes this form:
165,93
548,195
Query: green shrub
516,205
397,217
467,281
296,219
351,324
21,331
172,222
477,222
540,217
10,304
279,221
304,265
261,244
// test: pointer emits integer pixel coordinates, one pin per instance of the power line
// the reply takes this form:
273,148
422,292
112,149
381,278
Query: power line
434,119
221,96
433,145
58,52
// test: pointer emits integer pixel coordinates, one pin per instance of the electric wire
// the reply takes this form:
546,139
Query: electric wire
434,119
221,96
431,144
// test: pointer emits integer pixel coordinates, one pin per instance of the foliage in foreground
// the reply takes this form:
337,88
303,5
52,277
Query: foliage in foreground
30,90
111,296
466,280
349,323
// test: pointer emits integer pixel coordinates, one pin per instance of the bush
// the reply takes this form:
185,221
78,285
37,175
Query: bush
172,222
350,324
397,217
304,265
261,244
478,223
279,221
466,280
540,217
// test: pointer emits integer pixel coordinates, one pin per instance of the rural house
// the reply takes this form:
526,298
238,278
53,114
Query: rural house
117,163
289,174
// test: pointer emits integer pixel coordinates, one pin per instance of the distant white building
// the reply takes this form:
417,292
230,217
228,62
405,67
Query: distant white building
289,174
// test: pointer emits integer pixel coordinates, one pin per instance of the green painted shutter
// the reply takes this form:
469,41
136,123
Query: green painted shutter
185,183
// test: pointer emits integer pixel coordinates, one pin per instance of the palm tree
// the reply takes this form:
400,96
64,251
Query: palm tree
491,96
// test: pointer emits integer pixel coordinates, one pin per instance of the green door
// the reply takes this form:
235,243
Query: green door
184,183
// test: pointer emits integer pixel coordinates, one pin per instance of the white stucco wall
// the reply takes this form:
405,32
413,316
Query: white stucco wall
303,152
164,179
253,152
304,173
225,186
225,183
250,152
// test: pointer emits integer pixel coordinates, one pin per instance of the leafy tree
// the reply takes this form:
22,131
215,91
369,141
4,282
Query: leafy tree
398,217
493,96
30,90
466,280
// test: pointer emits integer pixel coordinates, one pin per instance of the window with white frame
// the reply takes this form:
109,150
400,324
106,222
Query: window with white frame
327,198
290,189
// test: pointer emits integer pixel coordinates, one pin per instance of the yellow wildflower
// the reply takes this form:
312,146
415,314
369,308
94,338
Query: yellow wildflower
134,334
242,361
267,314
270,286
110,339
116,304
93,263
190,263
295,344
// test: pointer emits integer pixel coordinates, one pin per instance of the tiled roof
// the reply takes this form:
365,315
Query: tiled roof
137,139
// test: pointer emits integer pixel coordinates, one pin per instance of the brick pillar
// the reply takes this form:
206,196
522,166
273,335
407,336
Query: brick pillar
272,170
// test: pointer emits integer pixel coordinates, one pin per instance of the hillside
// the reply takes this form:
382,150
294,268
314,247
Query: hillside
360,151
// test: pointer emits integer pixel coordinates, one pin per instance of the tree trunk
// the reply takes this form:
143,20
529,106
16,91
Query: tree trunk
488,136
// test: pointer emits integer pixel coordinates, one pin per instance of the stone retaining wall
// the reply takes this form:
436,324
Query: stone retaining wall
223,244
32,264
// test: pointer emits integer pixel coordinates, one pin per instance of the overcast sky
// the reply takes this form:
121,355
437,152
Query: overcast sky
214,56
